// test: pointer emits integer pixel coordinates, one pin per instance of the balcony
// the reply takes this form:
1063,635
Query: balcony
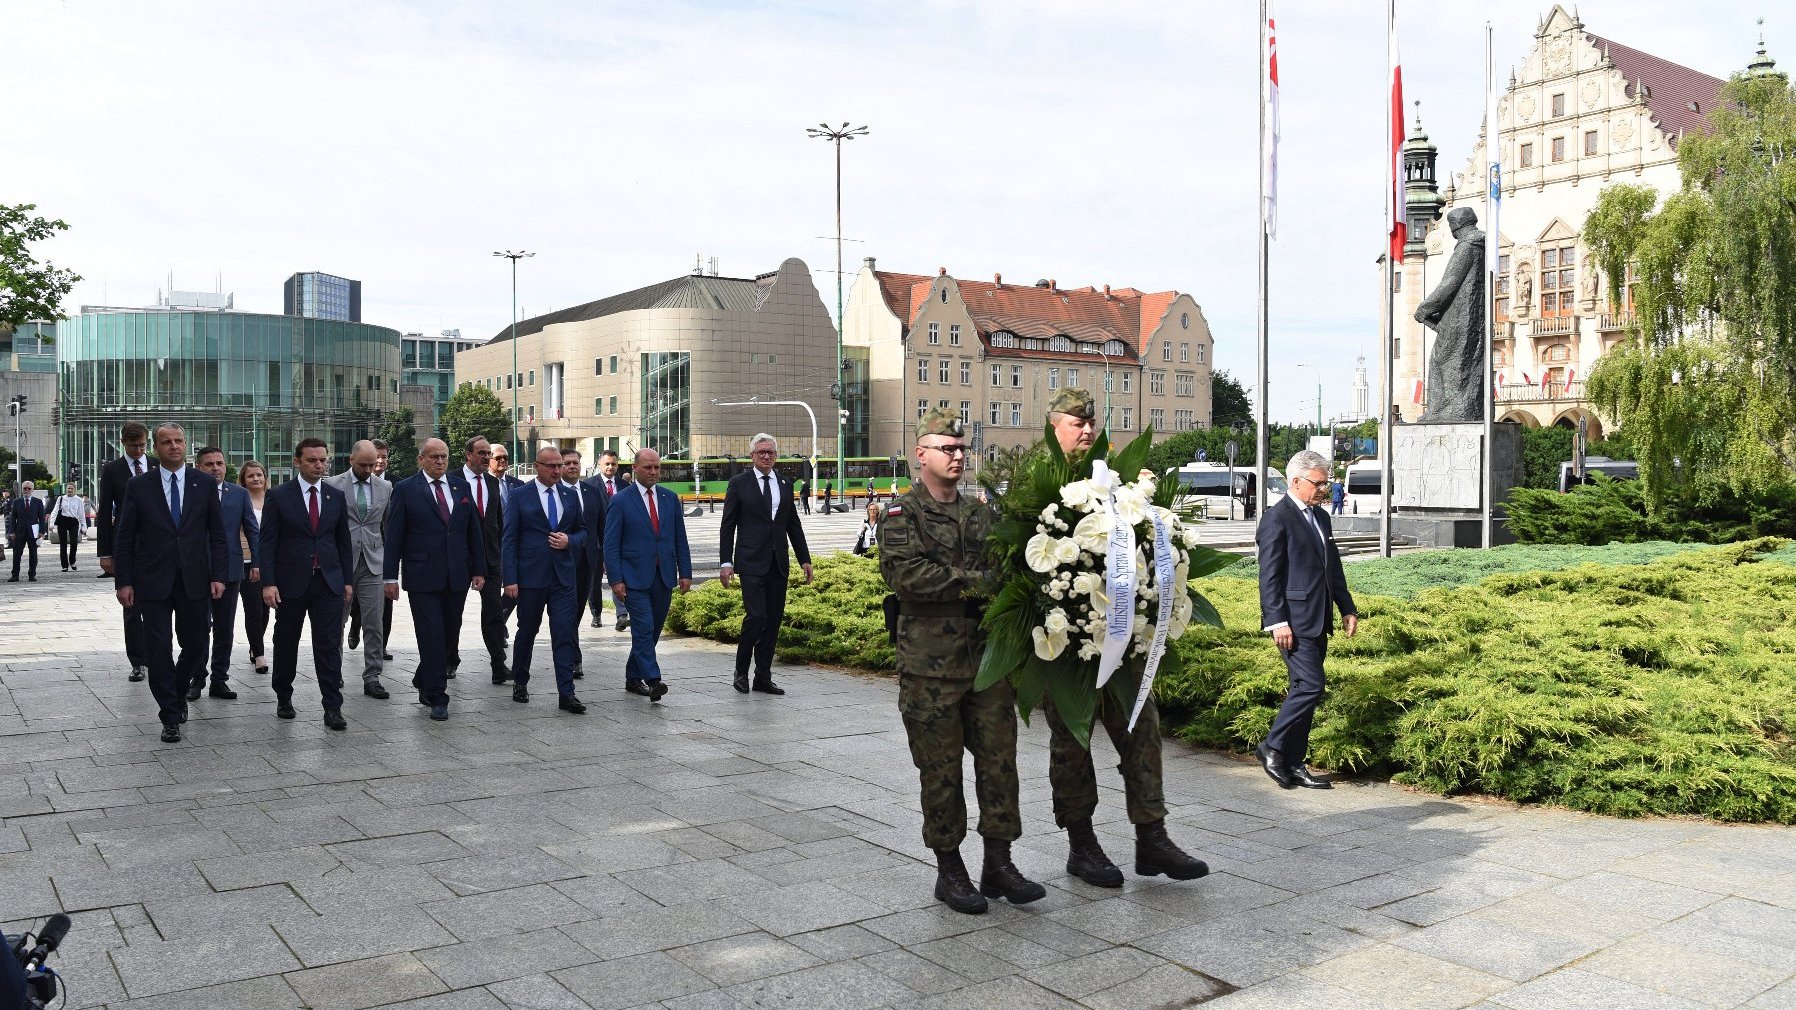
1554,326
1517,392
1615,322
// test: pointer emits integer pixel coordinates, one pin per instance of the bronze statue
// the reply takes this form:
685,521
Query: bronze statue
1455,312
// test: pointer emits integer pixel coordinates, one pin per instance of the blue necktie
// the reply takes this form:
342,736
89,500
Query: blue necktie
174,498
554,513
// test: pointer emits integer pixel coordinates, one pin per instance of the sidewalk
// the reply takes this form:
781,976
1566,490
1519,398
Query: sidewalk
720,851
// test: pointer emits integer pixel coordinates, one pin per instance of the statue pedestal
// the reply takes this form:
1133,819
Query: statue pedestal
1437,481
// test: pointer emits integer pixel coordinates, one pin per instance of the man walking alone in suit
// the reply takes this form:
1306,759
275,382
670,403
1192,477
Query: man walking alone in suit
306,558
238,518
433,541
646,554
1302,583
489,502
169,561
367,493
113,478
758,520
542,538
29,525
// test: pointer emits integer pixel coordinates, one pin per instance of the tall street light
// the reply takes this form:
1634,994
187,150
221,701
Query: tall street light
517,451
836,135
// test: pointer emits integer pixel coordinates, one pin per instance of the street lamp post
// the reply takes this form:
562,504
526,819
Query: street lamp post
836,135
517,451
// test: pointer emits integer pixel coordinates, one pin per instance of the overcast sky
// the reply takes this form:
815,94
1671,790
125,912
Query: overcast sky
401,143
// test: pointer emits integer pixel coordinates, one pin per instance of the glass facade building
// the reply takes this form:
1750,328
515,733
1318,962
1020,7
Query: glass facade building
322,296
252,384
431,363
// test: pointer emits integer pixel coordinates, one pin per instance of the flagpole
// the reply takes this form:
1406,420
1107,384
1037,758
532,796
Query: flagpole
1387,407
1492,201
1262,436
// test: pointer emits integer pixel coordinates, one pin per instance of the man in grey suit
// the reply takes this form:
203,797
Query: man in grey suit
366,493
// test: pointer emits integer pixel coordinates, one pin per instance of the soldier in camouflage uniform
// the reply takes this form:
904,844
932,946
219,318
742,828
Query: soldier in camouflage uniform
1070,770
932,553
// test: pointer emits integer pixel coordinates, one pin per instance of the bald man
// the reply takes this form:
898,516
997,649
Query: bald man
366,492
435,551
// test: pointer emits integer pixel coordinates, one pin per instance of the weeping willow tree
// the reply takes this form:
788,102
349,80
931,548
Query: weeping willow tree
1706,387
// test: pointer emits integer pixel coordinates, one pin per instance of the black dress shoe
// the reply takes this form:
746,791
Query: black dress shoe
769,687
221,691
572,704
449,674
742,683
623,623
284,709
1302,775
518,694
334,719
16,578
375,691
1274,763
596,622
355,637
193,692
656,690
171,733
636,687
439,713
137,673
501,674
579,674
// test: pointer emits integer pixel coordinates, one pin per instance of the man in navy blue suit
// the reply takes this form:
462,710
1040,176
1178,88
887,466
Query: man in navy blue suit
240,527
168,560
1302,583
306,576
646,555
543,537
607,482
589,567
433,540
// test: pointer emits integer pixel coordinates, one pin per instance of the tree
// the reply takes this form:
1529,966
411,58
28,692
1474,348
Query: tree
1706,388
474,410
29,289
400,431
1228,400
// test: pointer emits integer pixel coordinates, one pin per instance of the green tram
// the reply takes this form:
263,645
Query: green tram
867,475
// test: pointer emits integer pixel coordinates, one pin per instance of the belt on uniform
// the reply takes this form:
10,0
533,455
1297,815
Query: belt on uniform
953,608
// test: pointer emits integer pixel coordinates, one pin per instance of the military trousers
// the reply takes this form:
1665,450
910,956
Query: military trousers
944,717
1075,781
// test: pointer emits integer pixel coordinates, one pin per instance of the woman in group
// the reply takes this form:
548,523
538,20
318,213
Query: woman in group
254,478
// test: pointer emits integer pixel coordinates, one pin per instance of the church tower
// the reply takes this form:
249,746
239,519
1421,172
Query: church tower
1421,193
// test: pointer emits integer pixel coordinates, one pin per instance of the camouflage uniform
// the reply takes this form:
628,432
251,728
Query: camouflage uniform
932,555
1070,771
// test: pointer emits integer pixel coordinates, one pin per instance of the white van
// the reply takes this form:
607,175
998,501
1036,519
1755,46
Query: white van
1207,484
1363,486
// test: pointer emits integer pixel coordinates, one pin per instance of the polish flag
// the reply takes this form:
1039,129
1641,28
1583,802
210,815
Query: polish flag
1526,378
1416,397
1570,374
1269,208
1399,227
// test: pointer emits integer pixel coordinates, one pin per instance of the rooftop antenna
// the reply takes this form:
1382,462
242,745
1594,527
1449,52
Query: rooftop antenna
698,264
714,266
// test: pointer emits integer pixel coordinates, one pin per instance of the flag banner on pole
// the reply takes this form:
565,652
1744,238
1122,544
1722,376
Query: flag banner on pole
1269,199
1399,226
1417,396
1493,156
1527,379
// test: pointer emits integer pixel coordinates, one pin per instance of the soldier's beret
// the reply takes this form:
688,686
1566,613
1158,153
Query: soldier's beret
937,421
1074,401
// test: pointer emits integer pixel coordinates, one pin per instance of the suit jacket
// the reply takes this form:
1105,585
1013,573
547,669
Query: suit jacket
597,483
113,478
1301,578
150,548
635,554
511,484
525,559
426,554
366,535
289,545
592,510
492,521
26,511
239,519
762,544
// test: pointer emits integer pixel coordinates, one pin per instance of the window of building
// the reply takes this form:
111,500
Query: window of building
1128,382
1183,420
1558,150
1016,415
1156,417
966,373
922,406
1558,280
1200,354
427,354
997,375
1114,348
613,405
941,371
408,354
1526,156
996,408
1156,383
1128,417
612,364
1003,338
598,405
1165,350
1053,378
966,412
935,333
533,376
1059,343
1502,299
943,404
1184,353
1072,376
1559,105
598,366
508,382
953,334
1589,143
1184,384
1499,357
1016,376
922,369
1559,352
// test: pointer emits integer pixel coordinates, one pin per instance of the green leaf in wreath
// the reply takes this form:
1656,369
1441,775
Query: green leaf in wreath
1209,561
1130,461
1203,611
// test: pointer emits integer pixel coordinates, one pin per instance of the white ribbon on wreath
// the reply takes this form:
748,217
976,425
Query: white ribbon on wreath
1119,576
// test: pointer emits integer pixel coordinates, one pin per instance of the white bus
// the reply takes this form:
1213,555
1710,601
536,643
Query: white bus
1363,486
1207,484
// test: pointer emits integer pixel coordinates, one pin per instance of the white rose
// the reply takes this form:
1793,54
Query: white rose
1090,649
1085,583
1038,553
1080,494
1055,622
1190,537
1048,646
1066,550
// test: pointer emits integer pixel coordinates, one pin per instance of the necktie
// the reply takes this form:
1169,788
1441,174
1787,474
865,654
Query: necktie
442,503
610,488
767,494
137,468
174,498
312,508
361,499
554,511
654,514
1310,514
480,495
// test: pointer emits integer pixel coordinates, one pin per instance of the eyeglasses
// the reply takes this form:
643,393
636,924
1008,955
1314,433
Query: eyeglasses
1320,484
765,452
949,450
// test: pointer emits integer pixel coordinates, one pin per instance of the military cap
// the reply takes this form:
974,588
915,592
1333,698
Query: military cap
941,422
1073,401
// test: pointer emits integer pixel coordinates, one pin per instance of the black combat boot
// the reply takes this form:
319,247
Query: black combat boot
1001,879
1155,853
952,885
1085,858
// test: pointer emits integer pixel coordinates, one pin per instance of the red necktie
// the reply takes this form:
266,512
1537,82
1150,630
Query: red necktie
654,515
312,509
442,504
480,495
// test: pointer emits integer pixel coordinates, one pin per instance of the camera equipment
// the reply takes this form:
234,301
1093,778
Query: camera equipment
40,981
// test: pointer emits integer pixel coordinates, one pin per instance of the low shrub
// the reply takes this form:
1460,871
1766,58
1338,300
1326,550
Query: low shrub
835,621
1614,511
1405,575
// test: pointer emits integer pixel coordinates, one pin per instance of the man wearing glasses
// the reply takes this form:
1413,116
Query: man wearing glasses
1302,583
758,507
932,553
489,501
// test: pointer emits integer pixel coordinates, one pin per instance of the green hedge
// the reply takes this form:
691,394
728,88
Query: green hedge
1614,511
1664,687
1405,575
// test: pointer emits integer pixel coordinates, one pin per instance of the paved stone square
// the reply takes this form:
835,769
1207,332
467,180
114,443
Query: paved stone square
722,851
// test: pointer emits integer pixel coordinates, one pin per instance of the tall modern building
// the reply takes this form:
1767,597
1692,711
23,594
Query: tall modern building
322,296
252,384
430,362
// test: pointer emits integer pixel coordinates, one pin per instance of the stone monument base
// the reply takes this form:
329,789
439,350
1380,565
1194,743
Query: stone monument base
1440,467
1429,528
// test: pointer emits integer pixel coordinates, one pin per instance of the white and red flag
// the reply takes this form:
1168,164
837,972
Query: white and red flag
1399,225
1269,151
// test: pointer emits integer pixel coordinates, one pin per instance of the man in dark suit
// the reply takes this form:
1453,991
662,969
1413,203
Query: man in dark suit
305,557
240,527
608,482
113,478
500,468
758,506
30,523
169,561
1302,583
646,554
433,540
489,503
542,539
589,567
